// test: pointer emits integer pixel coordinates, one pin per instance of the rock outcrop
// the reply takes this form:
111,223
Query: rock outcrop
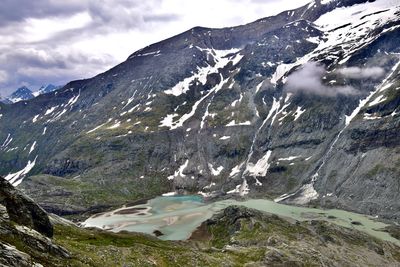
25,229
23,210
283,243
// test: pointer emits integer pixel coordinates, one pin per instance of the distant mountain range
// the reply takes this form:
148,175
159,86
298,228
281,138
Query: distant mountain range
24,93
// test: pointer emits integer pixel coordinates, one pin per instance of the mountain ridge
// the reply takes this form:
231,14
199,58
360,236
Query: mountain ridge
191,115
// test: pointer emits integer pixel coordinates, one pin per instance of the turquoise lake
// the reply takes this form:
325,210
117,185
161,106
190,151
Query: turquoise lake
178,216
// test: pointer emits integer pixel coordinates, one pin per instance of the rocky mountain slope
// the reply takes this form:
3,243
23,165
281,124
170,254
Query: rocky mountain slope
301,107
235,237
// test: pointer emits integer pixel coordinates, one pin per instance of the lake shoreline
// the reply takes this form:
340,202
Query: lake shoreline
178,217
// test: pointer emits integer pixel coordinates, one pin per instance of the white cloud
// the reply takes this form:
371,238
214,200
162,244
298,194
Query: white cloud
3,76
362,73
42,29
308,80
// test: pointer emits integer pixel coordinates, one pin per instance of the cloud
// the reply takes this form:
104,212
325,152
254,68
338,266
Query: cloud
3,76
43,39
30,57
17,11
362,73
161,17
33,68
308,80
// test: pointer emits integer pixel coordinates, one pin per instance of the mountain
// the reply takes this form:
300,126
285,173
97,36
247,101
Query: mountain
44,89
301,107
22,93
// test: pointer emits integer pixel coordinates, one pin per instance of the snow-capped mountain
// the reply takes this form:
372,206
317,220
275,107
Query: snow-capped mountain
22,93
301,107
46,89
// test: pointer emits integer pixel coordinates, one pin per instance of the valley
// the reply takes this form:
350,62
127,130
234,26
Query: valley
272,143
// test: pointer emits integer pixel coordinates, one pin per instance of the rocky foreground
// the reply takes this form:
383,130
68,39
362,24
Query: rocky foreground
236,236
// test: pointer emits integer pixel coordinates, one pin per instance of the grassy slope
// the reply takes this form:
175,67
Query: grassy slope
234,237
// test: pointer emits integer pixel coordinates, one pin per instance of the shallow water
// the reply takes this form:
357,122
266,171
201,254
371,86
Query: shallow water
178,216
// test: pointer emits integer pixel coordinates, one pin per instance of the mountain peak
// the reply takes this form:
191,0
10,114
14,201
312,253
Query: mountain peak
23,89
22,93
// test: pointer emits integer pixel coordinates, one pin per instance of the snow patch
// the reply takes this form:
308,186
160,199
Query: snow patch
170,194
168,121
233,123
368,116
50,110
7,141
96,128
35,118
32,148
235,170
220,57
216,171
289,158
298,113
115,125
16,178
261,167
234,103
377,100
73,99
187,116
179,172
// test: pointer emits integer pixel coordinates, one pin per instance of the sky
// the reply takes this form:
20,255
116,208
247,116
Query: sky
52,41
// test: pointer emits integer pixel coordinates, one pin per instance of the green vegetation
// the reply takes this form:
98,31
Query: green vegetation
86,193
98,248
236,236
375,170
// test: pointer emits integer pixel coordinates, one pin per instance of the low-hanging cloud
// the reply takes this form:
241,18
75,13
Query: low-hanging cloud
362,73
308,80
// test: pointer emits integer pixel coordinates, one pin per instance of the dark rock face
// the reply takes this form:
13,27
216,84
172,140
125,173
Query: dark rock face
210,111
25,229
23,210
10,256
